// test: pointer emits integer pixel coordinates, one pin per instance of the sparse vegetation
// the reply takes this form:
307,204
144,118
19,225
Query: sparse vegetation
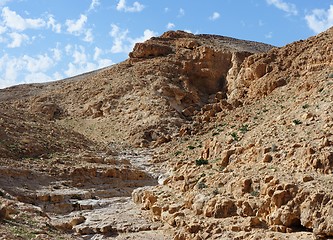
244,128
191,147
234,136
255,193
297,122
202,185
177,153
216,191
201,161
305,106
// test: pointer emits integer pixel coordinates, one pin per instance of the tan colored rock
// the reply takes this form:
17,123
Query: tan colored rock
267,158
225,157
146,50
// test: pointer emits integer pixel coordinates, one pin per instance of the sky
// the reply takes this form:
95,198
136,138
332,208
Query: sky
47,40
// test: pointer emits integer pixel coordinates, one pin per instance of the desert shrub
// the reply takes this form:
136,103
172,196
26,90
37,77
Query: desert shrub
201,161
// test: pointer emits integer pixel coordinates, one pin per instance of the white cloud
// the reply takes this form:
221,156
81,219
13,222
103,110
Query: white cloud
17,39
51,23
68,49
170,25
119,37
320,20
37,77
166,9
9,68
41,63
15,22
79,55
181,12
124,44
284,6
88,36
97,53
76,69
81,63
214,16
2,29
93,5
76,27
26,68
102,62
147,34
56,54
57,76
269,35
3,2
136,7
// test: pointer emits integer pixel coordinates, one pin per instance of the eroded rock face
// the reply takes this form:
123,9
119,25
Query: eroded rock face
262,73
144,50
203,65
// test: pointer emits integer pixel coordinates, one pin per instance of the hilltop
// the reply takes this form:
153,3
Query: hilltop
238,133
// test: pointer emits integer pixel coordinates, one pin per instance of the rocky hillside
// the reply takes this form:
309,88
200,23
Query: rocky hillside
239,133
155,91
258,165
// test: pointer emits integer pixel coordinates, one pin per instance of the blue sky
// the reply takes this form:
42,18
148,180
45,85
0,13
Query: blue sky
45,40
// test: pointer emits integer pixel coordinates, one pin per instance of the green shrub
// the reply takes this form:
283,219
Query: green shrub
178,153
190,147
244,128
201,161
234,136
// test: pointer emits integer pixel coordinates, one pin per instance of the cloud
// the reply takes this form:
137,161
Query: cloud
81,63
41,63
136,7
170,25
119,37
320,19
122,43
77,27
88,36
2,29
93,5
57,53
79,55
51,23
102,62
26,68
15,22
17,39
284,6
269,35
214,16
38,77
3,2
181,12
147,34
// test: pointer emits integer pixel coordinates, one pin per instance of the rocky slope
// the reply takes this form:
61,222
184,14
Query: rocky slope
239,132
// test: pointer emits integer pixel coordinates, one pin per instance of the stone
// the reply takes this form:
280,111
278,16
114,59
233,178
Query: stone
267,158
146,50
225,156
